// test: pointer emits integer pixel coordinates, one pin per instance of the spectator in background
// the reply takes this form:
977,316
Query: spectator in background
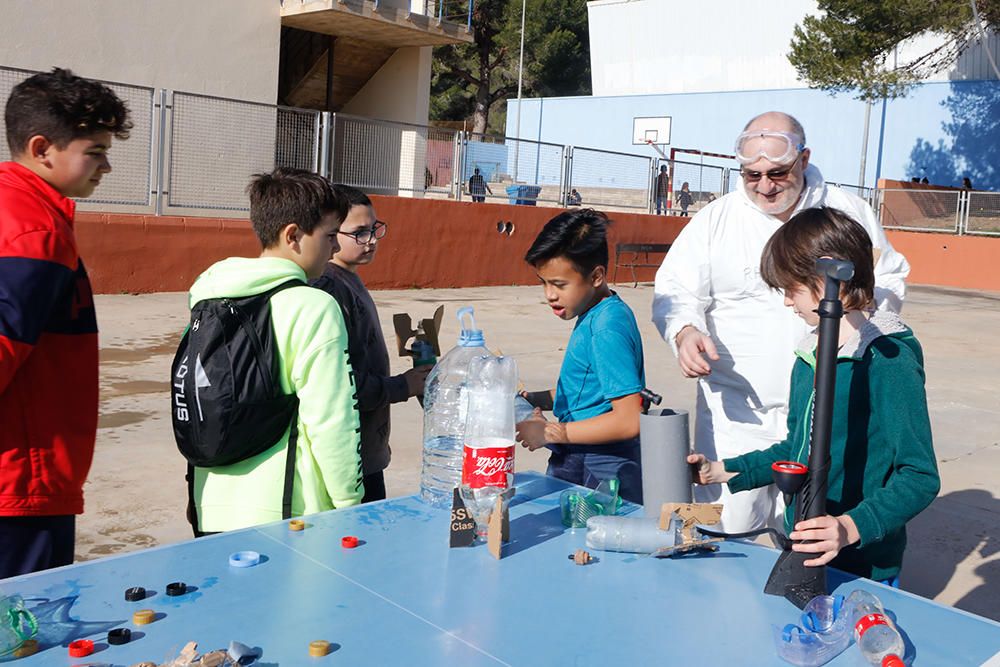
684,198
478,187
662,191
574,198
966,183
924,181
915,179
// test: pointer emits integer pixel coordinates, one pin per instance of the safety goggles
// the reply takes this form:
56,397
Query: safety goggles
776,147
774,175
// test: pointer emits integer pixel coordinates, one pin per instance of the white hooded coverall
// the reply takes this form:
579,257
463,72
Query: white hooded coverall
711,280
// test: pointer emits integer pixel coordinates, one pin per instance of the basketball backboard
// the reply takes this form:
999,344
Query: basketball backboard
650,129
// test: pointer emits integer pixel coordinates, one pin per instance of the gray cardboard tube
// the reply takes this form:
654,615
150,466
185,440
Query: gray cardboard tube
665,444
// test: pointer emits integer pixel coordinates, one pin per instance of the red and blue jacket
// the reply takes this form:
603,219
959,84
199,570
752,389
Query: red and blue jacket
48,351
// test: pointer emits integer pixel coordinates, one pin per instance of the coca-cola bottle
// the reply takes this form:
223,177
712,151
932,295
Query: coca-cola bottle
488,460
874,631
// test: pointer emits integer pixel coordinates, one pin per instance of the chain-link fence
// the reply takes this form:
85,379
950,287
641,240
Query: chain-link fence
982,213
217,144
129,182
383,157
610,179
514,170
921,210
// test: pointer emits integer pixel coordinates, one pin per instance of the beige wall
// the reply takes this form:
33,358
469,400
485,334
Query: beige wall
399,91
227,48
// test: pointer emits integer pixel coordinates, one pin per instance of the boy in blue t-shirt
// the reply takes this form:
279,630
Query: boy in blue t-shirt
596,401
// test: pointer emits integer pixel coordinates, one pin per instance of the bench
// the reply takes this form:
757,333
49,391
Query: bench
637,256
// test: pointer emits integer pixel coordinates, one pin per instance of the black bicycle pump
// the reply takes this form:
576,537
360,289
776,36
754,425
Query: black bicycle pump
790,578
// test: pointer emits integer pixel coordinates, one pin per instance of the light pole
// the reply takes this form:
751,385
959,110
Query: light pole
520,72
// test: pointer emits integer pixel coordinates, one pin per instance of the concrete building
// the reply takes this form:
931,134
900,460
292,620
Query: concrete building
256,50
710,68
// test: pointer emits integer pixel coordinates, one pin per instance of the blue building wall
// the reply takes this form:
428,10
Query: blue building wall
940,130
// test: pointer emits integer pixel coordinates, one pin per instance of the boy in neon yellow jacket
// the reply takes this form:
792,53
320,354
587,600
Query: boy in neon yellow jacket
312,353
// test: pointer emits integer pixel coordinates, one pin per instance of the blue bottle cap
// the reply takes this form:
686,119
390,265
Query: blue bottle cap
469,336
244,559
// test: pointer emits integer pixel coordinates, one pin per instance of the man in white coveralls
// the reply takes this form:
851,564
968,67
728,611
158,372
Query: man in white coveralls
731,331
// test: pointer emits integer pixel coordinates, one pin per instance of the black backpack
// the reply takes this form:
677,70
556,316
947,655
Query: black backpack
225,392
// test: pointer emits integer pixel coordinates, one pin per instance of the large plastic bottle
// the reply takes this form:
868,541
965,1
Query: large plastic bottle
877,637
445,406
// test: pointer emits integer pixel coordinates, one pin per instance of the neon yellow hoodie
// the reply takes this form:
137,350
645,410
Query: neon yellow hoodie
312,347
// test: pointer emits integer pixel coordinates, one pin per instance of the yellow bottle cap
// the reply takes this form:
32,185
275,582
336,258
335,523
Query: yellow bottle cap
296,524
319,648
27,647
143,617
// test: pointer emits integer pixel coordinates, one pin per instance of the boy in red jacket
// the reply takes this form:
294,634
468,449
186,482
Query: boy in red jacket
59,130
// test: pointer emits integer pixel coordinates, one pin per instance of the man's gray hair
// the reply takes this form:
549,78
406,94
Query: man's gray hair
795,125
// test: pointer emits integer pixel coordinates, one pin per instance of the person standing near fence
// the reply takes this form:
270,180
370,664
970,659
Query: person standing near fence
662,191
684,198
59,130
727,327
478,187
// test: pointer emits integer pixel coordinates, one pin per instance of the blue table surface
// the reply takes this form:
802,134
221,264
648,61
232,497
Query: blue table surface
404,597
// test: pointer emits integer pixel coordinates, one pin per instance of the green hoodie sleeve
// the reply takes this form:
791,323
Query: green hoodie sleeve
899,408
322,377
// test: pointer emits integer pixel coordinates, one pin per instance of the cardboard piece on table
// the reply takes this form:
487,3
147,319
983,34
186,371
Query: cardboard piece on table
499,526
690,514
427,330
463,526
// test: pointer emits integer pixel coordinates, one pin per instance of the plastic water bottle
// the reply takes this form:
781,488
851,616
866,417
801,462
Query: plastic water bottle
630,534
445,408
874,632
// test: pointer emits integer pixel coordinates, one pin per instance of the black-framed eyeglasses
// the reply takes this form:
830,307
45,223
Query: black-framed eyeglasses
776,175
368,234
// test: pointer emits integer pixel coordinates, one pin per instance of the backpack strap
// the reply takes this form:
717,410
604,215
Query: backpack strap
293,439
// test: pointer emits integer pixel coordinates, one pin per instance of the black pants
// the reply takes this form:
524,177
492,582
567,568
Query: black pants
374,487
33,543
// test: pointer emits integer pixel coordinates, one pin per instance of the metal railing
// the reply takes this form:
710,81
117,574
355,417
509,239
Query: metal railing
191,153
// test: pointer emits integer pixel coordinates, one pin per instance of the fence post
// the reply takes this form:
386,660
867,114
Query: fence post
458,160
569,171
651,185
962,214
160,158
564,176
323,138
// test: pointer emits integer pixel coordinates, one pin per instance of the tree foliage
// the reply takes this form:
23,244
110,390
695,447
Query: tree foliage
468,80
851,45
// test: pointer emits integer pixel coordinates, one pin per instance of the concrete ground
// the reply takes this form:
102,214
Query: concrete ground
136,493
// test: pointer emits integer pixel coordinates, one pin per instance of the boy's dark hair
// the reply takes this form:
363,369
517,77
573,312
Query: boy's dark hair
789,258
62,107
353,196
579,236
289,195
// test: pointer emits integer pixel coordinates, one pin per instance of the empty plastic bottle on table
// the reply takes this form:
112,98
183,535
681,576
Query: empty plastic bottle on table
874,631
17,624
488,459
445,415
631,534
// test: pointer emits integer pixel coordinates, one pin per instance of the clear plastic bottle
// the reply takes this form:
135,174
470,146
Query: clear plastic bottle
445,407
874,631
630,534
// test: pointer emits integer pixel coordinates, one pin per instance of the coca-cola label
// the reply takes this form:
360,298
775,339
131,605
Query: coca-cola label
868,621
487,466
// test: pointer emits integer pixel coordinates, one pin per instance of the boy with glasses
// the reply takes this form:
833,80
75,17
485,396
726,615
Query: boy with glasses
727,327
360,235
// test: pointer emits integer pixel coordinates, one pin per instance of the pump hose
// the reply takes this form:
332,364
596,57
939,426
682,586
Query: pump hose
777,535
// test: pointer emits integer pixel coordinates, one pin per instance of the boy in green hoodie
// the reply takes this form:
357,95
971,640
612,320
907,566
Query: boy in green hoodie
882,466
296,216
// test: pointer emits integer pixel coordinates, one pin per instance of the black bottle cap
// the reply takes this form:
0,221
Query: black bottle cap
176,588
119,636
135,594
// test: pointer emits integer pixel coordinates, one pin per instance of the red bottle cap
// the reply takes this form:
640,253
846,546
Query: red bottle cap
893,661
349,542
81,648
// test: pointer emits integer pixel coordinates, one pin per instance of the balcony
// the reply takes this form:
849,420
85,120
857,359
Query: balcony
389,23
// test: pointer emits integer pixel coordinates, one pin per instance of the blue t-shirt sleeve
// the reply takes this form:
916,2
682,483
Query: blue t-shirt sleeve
617,362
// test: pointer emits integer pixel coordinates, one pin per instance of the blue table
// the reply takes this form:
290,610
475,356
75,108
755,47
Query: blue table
403,597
